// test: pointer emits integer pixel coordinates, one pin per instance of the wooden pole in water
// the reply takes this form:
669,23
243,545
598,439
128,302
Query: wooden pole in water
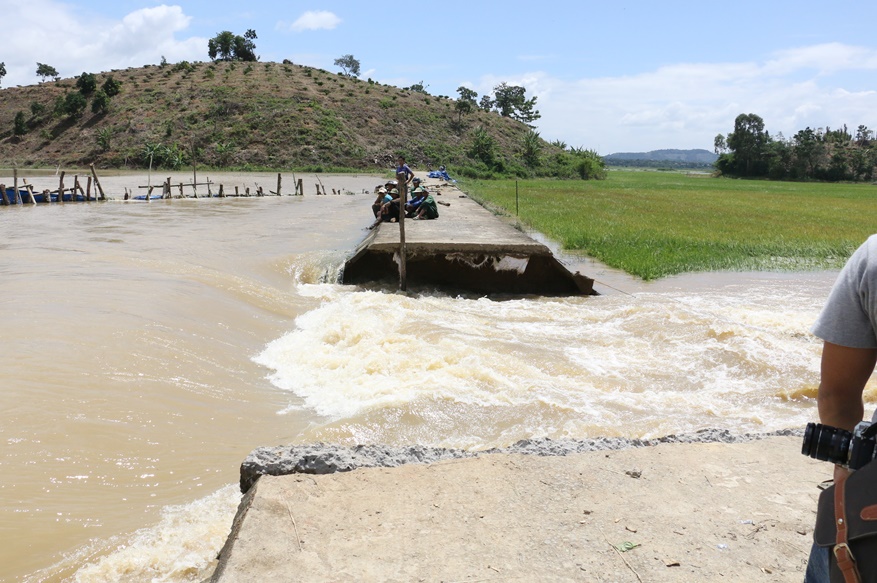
15,195
278,184
88,189
61,187
401,178
97,182
3,193
33,199
300,187
194,173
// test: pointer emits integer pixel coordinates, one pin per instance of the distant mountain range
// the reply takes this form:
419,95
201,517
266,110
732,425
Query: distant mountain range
684,156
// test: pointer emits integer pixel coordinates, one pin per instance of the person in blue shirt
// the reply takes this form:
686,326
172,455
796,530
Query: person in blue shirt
402,168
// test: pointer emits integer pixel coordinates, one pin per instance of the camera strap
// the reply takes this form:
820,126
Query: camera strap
846,562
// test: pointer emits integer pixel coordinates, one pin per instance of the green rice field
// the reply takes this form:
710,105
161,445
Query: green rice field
653,224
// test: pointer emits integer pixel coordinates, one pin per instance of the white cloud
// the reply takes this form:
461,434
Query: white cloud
141,37
824,58
314,20
686,105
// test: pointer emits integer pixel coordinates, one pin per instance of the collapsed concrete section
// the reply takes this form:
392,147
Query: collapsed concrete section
467,249
320,458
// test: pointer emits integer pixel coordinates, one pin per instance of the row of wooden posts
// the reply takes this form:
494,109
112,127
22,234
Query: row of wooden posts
166,189
47,194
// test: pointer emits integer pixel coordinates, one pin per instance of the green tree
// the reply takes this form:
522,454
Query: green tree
86,83
349,65
511,101
808,150
101,102
486,103
467,102
72,105
749,142
2,71
111,87
44,71
719,144
19,124
226,46
864,136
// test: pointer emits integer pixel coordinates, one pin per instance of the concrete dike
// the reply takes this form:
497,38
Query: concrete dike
466,249
678,507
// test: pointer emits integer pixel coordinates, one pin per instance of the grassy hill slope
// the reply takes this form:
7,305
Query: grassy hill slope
249,116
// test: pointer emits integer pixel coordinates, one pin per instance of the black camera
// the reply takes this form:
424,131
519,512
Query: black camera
839,446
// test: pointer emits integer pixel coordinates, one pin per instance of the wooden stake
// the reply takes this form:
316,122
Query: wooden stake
61,187
29,190
97,182
278,184
88,189
3,193
221,193
401,177
236,193
300,187
15,194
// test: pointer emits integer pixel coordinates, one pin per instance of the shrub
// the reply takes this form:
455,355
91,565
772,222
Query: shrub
19,125
101,102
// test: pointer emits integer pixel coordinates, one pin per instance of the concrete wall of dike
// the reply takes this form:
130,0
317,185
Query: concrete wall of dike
467,249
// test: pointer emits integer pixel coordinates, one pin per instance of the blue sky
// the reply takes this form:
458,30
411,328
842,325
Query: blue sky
613,76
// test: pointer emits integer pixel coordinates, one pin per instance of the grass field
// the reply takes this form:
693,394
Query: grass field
654,224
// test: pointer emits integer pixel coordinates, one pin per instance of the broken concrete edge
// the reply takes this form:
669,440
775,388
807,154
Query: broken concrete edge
321,458
228,548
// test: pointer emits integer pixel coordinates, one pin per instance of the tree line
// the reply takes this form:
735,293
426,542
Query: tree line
811,154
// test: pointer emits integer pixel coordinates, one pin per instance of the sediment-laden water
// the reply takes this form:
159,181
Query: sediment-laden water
147,348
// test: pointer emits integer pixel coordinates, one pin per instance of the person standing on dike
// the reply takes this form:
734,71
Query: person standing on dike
402,167
848,328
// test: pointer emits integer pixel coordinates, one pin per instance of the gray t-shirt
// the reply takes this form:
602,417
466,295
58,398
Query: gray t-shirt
849,317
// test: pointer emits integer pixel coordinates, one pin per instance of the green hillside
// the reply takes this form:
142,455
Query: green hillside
240,115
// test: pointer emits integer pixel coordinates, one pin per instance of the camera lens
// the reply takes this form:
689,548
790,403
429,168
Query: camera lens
827,443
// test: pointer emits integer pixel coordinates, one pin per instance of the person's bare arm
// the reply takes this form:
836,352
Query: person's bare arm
845,371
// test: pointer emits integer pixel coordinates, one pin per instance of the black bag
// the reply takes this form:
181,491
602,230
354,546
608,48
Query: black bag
852,505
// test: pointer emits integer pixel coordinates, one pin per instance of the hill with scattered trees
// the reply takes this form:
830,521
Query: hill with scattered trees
235,114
